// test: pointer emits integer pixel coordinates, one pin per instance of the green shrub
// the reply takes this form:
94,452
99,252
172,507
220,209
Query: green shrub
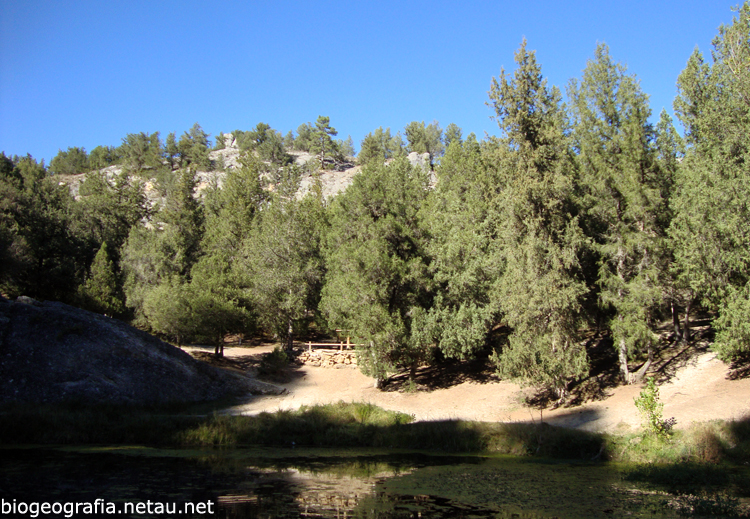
651,409
274,362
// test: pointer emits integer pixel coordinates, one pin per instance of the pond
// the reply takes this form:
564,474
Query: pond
270,483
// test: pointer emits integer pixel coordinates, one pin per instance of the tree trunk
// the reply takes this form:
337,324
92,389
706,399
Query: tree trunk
686,327
623,356
289,335
641,373
622,347
676,322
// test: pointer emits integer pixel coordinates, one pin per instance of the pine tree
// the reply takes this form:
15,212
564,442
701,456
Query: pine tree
322,137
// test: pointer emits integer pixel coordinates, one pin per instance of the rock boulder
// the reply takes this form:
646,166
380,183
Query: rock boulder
51,352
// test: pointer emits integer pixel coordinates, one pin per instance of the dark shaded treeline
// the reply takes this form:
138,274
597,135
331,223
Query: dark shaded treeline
581,215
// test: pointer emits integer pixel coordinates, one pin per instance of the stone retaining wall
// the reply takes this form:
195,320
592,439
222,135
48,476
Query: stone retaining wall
329,358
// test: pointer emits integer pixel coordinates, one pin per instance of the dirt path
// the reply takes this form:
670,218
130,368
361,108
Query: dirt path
697,390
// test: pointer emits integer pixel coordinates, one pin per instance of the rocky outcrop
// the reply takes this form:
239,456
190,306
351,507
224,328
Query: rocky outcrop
420,159
51,352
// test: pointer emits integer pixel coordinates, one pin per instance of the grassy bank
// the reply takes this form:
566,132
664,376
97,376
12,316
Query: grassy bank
362,425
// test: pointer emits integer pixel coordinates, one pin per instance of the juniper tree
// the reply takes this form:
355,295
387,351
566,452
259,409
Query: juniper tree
108,208
193,148
424,139
71,162
452,134
219,286
162,257
711,227
101,291
379,145
462,252
268,143
141,151
184,224
103,156
623,197
670,152
171,151
282,263
377,279
45,256
541,286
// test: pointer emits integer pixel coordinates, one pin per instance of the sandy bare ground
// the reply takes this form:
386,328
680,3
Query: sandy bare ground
698,388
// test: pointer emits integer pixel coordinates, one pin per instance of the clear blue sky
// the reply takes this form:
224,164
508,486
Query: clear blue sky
86,73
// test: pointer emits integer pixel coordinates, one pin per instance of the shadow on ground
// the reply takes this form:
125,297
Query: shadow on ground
446,374
251,365
669,356
740,367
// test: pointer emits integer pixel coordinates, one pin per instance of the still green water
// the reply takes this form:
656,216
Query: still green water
270,483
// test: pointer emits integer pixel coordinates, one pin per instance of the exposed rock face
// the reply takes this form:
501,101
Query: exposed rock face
336,178
229,140
52,352
420,159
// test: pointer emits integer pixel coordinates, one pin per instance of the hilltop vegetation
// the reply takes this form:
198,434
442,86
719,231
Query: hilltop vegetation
581,219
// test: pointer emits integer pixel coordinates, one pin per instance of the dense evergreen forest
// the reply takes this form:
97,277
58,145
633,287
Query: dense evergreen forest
582,218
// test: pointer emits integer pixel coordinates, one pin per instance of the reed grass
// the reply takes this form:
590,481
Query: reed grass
363,425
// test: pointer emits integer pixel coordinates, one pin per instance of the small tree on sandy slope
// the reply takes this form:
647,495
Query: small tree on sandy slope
322,137
651,409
